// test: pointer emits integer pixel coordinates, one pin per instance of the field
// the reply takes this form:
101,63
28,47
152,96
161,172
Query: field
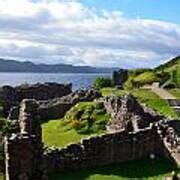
146,97
144,169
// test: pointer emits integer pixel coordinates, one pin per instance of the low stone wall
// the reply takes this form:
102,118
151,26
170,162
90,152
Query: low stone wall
105,149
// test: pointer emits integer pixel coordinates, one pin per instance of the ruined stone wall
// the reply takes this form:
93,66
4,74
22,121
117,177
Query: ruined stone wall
12,96
105,149
24,150
54,111
56,108
42,91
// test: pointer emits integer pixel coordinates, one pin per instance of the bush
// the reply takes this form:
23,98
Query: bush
101,82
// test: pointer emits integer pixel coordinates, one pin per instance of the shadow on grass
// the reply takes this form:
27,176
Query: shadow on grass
135,169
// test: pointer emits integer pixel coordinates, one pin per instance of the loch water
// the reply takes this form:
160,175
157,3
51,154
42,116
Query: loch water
78,80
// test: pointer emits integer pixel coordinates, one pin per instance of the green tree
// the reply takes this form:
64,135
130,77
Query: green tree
101,82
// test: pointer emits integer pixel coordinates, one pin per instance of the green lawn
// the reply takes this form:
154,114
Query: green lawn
56,133
83,120
144,169
175,92
147,97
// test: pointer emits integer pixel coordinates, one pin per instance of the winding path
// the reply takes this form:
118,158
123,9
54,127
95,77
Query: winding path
162,93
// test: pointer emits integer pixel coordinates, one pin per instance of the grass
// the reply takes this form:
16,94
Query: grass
141,169
54,133
175,92
148,98
75,125
146,78
87,117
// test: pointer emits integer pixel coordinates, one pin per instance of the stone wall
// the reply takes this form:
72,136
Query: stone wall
26,159
57,108
105,149
24,150
12,96
128,114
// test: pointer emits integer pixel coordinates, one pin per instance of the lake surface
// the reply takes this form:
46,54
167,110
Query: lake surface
78,80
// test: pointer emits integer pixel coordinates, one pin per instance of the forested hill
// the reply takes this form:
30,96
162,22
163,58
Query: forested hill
16,66
172,64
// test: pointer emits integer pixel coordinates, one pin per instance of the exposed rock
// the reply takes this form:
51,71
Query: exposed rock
12,96
81,95
128,114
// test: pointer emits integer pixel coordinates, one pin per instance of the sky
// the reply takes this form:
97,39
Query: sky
102,33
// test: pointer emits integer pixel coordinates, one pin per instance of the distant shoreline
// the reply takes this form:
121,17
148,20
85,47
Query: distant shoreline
56,72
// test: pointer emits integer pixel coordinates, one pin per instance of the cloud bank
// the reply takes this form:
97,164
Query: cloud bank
52,31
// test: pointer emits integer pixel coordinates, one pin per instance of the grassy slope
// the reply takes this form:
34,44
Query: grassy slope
175,92
162,74
143,169
147,97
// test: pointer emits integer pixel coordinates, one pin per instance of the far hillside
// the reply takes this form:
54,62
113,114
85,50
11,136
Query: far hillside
167,74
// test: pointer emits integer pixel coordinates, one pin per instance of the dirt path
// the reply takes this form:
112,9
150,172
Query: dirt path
162,93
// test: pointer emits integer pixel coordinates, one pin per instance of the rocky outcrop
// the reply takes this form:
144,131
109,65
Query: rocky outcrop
128,114
12,96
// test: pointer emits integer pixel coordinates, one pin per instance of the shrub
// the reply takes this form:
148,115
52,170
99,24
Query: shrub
101,82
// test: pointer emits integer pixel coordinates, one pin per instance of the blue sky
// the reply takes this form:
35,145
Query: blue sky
167,10
110,33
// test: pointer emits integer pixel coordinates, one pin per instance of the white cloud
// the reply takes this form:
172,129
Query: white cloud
69,32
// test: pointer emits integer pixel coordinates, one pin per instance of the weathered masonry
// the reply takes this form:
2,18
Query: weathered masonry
26,159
